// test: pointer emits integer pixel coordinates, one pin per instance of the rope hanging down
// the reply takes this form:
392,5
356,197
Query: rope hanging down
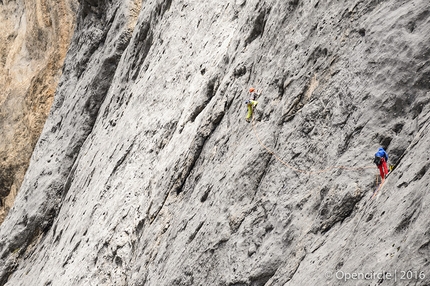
299,170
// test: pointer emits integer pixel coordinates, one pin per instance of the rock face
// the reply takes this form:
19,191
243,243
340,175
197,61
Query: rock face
34,39
146,172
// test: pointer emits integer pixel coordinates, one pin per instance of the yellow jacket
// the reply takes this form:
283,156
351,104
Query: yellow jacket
251,105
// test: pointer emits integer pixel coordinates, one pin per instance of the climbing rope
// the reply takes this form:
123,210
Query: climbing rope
270,151
312,172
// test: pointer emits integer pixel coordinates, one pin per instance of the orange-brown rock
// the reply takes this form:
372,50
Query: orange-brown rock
34,39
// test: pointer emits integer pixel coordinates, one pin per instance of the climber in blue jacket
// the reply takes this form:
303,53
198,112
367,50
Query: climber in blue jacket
381,158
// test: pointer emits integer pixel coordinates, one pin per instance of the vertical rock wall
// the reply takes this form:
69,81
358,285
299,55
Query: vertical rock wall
34,39
146,172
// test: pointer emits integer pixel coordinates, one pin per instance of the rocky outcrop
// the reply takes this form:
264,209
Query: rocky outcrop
146,172
34,39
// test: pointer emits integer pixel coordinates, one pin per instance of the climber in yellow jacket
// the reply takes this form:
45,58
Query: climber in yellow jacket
251,104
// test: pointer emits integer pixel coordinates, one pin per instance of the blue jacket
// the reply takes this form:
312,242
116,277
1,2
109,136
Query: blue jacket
381,153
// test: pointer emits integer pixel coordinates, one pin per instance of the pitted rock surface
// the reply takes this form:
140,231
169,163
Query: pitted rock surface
146,172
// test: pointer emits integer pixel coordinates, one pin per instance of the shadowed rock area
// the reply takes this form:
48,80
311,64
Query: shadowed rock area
146,172
34,38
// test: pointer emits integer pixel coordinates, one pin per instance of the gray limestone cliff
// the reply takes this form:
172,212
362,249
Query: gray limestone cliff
146,172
